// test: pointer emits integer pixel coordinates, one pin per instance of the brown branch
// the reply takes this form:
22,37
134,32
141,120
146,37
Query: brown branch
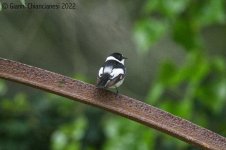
119,104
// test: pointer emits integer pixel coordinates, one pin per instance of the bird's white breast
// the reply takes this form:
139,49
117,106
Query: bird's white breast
118,84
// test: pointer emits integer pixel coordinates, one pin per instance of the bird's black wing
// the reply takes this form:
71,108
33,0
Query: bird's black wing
103,80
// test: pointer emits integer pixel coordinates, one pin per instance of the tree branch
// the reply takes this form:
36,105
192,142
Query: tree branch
119,104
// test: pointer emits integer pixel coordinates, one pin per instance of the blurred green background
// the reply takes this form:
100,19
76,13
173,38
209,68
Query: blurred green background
176,51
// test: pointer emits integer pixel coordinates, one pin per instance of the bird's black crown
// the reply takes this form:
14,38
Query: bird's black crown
118,56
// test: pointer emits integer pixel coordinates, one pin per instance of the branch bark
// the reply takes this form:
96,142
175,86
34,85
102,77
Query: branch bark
119,104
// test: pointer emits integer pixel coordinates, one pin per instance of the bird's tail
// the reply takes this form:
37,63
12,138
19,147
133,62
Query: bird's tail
101,83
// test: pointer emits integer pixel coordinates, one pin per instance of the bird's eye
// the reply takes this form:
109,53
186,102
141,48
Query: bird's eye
101,74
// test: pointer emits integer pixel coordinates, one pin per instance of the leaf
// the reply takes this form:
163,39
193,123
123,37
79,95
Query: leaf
169,8
155,93
187,33
147,32
167,72
212,12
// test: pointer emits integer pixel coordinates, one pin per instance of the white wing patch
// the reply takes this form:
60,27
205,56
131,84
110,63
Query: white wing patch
108,69
115,72
100,72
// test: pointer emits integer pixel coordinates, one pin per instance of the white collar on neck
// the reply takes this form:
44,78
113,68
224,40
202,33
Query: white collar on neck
113,58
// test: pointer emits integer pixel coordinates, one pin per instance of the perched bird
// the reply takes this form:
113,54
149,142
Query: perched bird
112,72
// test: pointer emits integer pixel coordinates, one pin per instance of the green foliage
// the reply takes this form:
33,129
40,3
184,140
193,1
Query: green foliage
147,32
129,133
184,19
13,126
68,136
196,87
28,122
189,81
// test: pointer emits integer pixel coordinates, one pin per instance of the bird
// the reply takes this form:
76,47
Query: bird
112,72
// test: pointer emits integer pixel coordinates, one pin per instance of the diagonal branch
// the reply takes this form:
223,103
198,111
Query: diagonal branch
119,104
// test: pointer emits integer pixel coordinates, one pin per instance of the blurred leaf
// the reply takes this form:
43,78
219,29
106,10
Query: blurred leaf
167,72
212,12
16,106
129,133
59,140
174,7
147,31
184,19
155,93
150,6
16,128
21,102
220,64
68,136
169,8
187,34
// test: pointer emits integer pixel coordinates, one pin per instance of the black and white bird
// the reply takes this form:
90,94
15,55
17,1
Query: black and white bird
112,72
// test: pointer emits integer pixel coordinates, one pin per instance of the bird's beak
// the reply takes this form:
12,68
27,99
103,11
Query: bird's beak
125,58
